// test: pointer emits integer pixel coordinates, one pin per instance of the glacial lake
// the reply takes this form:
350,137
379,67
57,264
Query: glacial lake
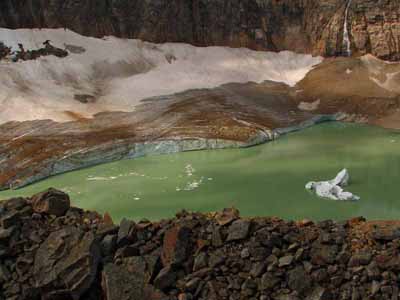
266,180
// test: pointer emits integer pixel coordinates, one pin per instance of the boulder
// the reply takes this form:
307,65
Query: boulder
108,244
299,280
131,278
319,293
239,230
52,202
176,245
269,281
67,261
286,261
125,232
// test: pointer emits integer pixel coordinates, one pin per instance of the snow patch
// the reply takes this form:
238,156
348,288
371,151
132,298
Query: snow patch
385,74
309,106
119,73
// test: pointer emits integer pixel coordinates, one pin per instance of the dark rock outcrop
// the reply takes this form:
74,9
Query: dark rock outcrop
306,26
66,262
52,202
22,54
75,255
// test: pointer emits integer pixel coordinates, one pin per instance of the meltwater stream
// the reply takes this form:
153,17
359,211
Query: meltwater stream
266,180
346,35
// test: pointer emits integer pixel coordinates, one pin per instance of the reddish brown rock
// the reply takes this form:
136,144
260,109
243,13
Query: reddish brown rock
52,202
176,245
67,262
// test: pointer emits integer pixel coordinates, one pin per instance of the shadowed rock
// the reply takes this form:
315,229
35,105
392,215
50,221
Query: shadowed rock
67,261
52,202
176,245
45,257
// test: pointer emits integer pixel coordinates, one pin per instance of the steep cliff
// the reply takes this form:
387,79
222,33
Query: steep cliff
300,25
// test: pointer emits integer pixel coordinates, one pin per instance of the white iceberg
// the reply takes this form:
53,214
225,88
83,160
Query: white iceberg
333,189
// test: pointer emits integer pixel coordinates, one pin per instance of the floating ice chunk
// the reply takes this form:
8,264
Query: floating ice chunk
342,178
189,170
332,189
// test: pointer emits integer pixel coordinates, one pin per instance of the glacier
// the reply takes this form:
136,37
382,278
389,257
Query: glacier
118,73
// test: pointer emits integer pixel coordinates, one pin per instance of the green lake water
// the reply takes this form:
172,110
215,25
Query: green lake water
266,180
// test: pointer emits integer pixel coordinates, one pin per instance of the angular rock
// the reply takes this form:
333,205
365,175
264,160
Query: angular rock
323,254
239,230
286,261
216,238
176,245
125,232
52,202
298,280
269,281
200,262
119,283
67,261
216,259
360,259
15,203
9,219
108,244
258,269
165,279
5,234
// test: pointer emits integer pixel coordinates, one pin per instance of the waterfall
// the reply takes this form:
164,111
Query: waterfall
346,36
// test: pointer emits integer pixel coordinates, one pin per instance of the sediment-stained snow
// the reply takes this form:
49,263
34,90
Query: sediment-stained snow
384,74
119,73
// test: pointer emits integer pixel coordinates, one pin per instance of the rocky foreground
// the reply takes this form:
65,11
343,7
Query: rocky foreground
49,250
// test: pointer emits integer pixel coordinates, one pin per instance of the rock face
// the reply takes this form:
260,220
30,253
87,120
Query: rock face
306,26
66,262
75,255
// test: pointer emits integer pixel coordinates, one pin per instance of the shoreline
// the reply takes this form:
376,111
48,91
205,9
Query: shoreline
102,155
